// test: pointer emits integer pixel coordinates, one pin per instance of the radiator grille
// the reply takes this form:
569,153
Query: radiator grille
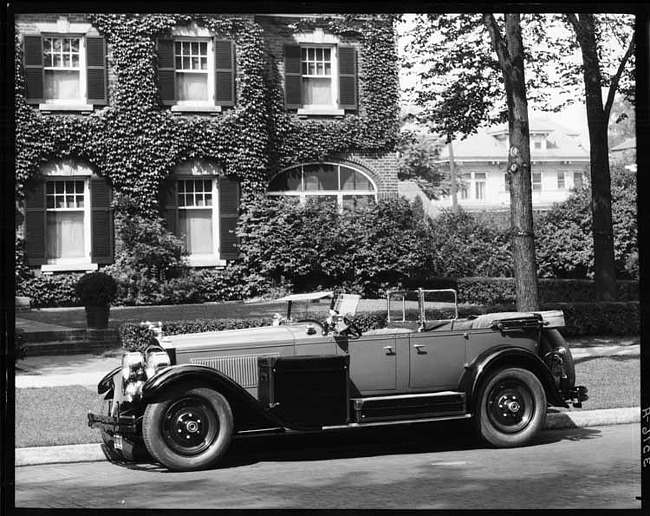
241,368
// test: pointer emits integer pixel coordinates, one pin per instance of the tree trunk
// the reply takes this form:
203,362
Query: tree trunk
601,196
510,51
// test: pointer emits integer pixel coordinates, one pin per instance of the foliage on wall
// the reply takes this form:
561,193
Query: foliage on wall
135,143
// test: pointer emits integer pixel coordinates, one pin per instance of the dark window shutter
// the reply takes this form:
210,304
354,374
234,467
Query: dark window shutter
166,71
33,61
229,213
292,77
168,204
101,221
35,245
224,53
348,78
96,70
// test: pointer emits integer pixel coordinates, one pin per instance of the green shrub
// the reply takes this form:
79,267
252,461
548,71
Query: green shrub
464,246
491,291
600,318
136,337
20,346
96,289
147,258
51,290
312,246
563,236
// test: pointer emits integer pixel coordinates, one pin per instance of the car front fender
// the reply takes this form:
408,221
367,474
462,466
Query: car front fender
244,405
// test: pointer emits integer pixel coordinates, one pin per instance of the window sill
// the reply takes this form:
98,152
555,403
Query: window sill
321,112
82,266
195,109
204,261
66,107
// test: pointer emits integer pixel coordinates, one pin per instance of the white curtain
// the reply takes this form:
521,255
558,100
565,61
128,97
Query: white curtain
317,92
196,227
65,234
62,84
191,86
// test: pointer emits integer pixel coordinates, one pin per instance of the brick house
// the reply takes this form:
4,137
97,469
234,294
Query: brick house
189,115
559,163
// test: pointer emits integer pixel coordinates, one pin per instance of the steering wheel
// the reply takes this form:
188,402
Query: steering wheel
319,325
352,329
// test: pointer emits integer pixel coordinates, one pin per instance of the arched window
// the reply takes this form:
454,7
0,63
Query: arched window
350,188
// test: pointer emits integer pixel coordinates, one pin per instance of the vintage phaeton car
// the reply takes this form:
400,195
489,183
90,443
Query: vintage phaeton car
184,398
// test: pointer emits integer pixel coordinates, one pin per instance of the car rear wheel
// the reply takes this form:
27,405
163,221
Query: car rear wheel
189,429
511,408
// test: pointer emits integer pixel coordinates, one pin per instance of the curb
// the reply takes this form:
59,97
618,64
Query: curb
554,421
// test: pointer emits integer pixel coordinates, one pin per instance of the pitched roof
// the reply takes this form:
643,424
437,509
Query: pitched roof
629,144
491,144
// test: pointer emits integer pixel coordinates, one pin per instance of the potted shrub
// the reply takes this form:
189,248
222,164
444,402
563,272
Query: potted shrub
96,290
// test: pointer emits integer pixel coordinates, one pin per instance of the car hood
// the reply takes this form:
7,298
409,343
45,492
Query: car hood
243,338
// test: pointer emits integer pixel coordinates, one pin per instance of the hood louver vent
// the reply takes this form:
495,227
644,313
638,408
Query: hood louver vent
241,368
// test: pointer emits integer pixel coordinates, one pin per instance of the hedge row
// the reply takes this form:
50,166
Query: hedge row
581,319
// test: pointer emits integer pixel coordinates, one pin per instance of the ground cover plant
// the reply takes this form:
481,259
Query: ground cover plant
57,415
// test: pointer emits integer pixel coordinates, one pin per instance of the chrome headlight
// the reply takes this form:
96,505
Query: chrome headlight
155,361
133,374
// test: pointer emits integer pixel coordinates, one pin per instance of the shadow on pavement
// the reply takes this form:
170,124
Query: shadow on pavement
364,442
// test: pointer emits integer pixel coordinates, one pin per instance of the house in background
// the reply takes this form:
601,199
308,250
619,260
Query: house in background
624,153
76,75
559,163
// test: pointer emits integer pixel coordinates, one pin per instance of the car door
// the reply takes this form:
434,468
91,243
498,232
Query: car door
436,360
373,363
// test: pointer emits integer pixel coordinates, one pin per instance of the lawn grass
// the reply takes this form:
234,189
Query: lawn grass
57,415
613,382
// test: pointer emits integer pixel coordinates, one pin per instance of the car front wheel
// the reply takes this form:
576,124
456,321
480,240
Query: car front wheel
188,429
511,408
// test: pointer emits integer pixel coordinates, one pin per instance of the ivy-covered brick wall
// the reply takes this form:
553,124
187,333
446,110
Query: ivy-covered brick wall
134,142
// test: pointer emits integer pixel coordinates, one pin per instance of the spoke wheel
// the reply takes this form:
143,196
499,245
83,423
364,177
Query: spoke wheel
511,408
188,429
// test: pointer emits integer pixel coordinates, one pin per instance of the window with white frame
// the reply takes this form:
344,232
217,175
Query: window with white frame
473,186
201,206
196,217
561,180
194,77
536,178
66,219
578,180
63,69
317,65
480,179
347,186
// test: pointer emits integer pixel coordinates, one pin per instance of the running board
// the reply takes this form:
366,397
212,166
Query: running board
408,407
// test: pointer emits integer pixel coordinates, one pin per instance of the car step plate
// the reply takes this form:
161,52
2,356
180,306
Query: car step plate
409,406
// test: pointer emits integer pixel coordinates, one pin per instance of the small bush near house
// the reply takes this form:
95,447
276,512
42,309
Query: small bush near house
96,289
147,258
50,290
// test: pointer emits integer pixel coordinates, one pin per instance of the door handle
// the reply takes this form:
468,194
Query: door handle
419,349
390,350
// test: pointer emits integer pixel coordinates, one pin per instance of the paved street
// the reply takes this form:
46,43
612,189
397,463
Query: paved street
418,467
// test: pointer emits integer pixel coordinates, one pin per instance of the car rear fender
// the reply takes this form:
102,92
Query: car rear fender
497,358
247,410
